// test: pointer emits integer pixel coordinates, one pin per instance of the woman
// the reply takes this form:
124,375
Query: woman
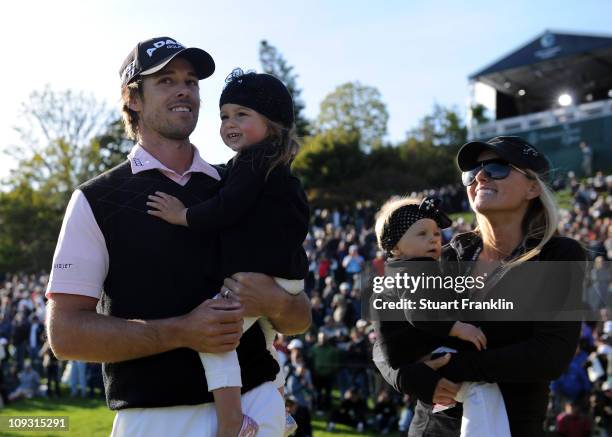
517,221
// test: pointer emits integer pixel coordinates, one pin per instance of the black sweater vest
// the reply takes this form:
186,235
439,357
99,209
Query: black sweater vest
158,270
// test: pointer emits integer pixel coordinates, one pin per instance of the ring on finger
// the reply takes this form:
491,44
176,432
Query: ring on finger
225,292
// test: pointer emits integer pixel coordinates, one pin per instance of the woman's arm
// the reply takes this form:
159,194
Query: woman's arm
404,376
542,357
419,378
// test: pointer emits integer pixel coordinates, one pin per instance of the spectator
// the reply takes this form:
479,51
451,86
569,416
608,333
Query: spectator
78,378
571,423
301,416
574,384
29,384
406,416
352,412
325,360
587,159
300,389
353,262
51,369
385,413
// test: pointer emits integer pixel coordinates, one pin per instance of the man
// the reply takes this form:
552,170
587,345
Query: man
587,159
154,281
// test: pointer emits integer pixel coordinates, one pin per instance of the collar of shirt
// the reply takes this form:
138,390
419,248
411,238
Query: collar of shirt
141,160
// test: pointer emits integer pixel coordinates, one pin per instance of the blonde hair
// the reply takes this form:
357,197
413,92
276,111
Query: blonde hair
285,141
539,222
384,214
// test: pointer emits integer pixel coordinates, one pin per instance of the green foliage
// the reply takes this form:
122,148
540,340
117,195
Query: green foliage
443,127
479,114
327,162
336,169
67,138
274,63
355,109
29,225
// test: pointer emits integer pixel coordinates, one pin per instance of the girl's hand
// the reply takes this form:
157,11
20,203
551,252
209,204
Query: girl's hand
471,333
168,207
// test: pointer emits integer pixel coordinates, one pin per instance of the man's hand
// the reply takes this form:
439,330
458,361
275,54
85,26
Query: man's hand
167,207
214,326
445,391
256,292
261,296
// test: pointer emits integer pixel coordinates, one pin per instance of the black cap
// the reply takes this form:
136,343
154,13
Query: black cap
515,150
261,92
153,54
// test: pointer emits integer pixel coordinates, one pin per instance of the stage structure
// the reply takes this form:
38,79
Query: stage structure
555,91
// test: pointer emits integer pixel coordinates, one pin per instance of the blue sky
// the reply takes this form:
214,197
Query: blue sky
415,53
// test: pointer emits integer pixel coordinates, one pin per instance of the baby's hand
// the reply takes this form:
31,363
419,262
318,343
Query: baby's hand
470,333
168,207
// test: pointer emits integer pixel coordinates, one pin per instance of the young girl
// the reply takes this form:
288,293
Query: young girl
261,214
410,230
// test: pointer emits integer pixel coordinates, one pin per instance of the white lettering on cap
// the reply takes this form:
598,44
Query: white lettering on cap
169,42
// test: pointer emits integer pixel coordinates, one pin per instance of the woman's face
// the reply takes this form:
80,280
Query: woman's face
512,194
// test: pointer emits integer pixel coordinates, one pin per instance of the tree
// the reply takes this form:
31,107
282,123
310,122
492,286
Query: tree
274,63
29,225
67,138
356,109
61,147
431,147
443,127
327,163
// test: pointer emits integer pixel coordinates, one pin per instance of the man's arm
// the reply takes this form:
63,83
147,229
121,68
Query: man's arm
77,332
263,297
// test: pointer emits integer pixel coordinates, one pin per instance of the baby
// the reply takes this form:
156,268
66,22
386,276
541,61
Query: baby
409,229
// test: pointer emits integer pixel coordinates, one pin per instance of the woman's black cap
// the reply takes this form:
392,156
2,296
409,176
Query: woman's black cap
515,150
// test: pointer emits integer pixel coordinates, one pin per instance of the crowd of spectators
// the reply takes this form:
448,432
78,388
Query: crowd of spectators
334,357
25,355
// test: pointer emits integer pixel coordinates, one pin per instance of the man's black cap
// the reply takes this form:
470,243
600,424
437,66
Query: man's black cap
152,55
515,150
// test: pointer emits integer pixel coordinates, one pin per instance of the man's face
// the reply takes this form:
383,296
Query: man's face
170,101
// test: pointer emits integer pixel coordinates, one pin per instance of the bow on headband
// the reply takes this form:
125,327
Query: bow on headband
402,218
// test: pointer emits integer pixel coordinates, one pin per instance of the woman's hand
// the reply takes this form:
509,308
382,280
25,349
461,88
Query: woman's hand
445,391
469,332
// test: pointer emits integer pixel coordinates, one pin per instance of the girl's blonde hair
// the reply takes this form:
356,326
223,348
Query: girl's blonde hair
540,222
285,141
385,211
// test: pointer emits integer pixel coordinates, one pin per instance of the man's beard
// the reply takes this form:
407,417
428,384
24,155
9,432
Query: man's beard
176,131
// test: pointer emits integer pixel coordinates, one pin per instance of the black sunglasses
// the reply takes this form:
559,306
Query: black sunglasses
493,168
